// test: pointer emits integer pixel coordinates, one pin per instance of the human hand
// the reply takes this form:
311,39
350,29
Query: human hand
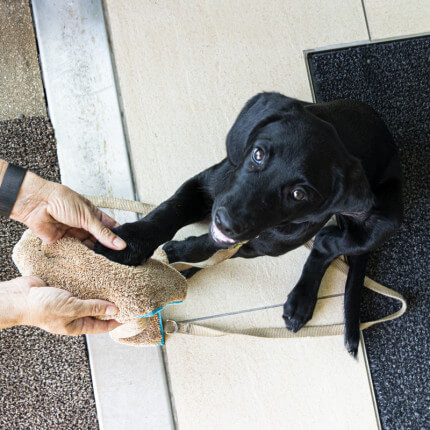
53,211
29,301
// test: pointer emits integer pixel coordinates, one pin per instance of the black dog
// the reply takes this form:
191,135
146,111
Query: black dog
291,165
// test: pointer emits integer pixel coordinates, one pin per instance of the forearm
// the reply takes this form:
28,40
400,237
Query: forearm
12,304
32,191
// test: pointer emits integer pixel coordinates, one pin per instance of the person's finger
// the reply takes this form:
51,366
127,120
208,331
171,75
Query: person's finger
104,235
89,243
107,221
49,232
89,325
78,233
32,281
93,308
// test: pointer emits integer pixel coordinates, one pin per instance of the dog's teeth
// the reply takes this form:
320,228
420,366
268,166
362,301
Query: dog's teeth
219,235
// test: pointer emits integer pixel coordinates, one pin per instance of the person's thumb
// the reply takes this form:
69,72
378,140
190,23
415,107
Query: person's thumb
88,325
105,236
94,308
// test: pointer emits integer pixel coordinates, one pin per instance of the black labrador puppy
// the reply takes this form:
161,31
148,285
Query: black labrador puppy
290,167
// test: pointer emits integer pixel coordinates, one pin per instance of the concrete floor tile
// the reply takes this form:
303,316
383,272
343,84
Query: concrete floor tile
393,18
240,382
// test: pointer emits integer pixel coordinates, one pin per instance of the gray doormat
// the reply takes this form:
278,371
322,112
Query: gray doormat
45,380
393,78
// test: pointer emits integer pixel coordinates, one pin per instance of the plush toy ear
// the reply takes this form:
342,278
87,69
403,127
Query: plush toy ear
259,111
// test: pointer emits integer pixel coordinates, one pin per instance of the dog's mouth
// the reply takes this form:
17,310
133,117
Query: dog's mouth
219,237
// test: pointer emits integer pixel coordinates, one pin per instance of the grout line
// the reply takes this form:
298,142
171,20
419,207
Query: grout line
39,62
365,18
163,352
120,100
249,310
169,387
369,376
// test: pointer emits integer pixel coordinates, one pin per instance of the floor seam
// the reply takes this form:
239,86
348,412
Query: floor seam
244,311
366,20
120,101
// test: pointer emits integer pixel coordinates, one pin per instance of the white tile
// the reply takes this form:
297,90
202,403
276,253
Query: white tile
240,382
129,383
393,18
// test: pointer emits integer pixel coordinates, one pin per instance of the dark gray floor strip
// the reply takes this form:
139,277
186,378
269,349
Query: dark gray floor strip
393,78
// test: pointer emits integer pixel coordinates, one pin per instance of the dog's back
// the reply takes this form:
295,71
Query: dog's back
364,134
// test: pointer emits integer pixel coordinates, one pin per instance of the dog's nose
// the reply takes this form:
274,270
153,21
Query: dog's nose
223,221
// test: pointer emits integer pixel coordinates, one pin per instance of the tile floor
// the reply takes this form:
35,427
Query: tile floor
180,93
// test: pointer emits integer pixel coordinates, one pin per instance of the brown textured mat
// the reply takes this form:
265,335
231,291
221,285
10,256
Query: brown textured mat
21,89
45,380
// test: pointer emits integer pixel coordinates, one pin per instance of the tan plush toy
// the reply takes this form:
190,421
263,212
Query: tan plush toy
139,292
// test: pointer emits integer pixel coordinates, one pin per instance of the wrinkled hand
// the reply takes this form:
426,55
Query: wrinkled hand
33,303
53,211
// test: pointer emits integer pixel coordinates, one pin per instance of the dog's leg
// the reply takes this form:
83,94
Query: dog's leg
193,249
188,205
356,239
354,284
300,305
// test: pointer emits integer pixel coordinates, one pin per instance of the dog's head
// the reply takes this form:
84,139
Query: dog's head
289,166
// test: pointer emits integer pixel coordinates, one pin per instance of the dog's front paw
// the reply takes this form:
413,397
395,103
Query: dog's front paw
140,245
352,340
173,250
298,310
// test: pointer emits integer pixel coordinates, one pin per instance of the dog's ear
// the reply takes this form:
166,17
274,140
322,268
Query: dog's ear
352,190
259,111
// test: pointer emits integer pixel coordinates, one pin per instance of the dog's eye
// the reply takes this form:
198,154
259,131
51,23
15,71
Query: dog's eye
298,195
258,155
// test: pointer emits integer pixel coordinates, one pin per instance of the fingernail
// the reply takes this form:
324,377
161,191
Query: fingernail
111,310
119,243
